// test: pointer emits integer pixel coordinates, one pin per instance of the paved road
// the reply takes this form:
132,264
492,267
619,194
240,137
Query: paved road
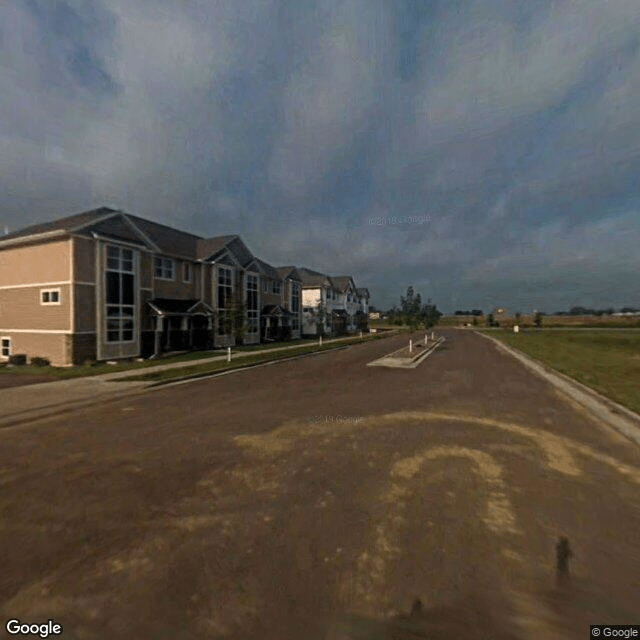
318,499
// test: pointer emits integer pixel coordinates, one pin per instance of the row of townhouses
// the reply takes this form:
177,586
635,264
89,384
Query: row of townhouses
105,284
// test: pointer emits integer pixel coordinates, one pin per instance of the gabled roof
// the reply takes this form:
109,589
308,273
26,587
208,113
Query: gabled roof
210,248
68,223
168,306
363,292
341,283
312,278
288,272
167,239
268,270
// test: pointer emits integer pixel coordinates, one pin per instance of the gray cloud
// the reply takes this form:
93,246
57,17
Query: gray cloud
512,126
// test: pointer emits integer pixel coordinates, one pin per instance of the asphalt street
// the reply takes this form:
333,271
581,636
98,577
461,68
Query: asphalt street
324,499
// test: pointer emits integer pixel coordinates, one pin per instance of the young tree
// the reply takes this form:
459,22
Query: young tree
319,317
490,320
537,320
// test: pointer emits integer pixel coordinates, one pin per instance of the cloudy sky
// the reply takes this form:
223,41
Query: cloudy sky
486,152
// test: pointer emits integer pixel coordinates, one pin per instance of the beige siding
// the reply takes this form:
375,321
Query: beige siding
21,309
41,263
177,289
84,260
48,345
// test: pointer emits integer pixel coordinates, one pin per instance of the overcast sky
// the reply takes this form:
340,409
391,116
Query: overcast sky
503,135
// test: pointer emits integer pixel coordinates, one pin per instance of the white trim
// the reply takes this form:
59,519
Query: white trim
35,236
51,304
98,298
54,331
145,237
10,347
72,297
36,284
106,216
124,243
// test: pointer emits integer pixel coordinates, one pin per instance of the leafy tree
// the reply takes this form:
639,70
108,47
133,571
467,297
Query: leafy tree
490,320
518,317
538,319
319,316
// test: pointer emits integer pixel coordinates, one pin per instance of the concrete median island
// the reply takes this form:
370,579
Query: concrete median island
409,357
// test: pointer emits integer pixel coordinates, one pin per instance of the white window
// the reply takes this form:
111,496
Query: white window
186,272
277,287
225,301
50,296
120,294
5,347
253,312
164,268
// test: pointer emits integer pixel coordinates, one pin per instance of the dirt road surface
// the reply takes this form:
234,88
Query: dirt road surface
321,499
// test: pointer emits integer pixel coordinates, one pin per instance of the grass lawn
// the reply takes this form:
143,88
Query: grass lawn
207,368
607,361
80,371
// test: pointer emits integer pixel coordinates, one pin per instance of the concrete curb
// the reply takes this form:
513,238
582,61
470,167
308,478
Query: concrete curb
194,377
611,413
392,362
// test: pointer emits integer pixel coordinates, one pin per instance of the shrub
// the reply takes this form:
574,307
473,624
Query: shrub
37,361
18,358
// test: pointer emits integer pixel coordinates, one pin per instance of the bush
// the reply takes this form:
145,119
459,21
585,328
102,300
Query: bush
37,361
18,358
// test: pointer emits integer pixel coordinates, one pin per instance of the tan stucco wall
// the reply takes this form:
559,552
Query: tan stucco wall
44,262
21,309
51,346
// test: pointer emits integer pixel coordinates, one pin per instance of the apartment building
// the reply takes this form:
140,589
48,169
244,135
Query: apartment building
105,284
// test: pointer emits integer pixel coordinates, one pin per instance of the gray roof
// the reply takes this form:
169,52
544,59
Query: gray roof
211,247
288,272
117,224
62,224
341,283
269,271
312,278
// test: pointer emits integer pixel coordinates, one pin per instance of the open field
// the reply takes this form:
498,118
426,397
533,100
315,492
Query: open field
607,361
527,320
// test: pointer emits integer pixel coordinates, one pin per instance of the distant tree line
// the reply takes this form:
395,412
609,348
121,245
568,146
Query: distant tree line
584,311
473,312
413,312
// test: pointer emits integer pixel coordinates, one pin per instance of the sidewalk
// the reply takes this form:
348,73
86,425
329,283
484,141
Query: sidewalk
29,402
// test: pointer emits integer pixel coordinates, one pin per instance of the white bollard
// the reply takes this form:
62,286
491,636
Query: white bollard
320,341
361,334
410,346
228,354
425,340
432,336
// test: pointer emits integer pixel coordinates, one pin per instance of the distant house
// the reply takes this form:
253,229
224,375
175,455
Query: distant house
332,304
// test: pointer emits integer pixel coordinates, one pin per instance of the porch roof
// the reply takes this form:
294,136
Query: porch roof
172,307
